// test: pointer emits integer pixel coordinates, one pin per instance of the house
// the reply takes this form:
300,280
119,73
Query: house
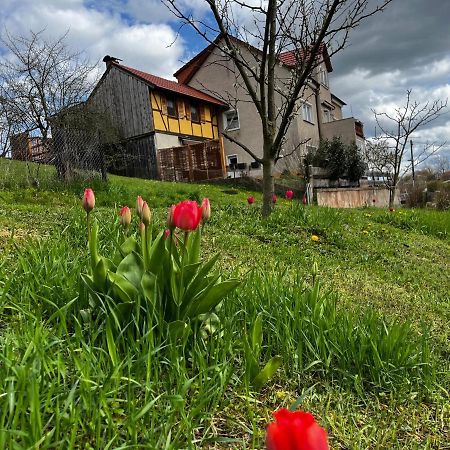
30,148
153,114
320,112
172,130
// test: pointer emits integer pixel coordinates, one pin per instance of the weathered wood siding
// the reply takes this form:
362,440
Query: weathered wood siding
127,100
138,159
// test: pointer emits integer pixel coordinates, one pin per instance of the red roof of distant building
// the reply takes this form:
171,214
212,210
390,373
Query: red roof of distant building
290,58
171,86
185,73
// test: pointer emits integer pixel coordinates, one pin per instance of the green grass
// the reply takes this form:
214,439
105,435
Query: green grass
368,354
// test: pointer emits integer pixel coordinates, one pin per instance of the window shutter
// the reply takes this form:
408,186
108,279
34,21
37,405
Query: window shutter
202,114
181,111
187,108
163,105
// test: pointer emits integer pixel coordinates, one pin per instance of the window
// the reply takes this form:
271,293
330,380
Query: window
195,115
231,120
323,77
326,115
307,112
171,107
232,162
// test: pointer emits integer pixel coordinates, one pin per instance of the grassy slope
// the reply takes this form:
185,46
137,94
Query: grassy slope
396,263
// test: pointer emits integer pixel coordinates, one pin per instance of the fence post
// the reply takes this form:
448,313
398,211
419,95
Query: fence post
222,154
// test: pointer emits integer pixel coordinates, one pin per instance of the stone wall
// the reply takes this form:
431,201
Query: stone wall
354,197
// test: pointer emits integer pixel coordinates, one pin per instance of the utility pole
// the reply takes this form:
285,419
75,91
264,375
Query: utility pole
412,162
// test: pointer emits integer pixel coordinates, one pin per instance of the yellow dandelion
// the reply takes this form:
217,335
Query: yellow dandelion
365,232
315,238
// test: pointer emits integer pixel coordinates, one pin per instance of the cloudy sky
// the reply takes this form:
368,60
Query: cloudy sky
406,47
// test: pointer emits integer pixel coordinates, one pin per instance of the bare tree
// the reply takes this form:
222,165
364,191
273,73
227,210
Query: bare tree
253,35
387,152
38,78
441,163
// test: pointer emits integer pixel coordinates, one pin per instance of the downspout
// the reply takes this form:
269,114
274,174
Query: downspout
318,111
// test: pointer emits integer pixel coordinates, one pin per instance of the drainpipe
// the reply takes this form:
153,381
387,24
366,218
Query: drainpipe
318,111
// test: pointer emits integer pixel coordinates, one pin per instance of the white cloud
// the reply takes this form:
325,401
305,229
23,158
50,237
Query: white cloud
149,47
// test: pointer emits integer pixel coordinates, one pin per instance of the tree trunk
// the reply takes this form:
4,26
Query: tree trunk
392,196
268,187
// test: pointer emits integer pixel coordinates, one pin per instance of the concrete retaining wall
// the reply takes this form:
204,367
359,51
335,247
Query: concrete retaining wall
354,197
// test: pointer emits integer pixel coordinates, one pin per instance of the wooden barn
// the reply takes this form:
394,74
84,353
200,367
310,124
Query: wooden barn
169,130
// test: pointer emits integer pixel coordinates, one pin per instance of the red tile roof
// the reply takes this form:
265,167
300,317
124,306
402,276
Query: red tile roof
171,86
291,59
185,73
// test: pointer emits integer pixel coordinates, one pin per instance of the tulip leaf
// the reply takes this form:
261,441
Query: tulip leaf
157,253
122,287
251,363
200,281
212,298
178,330
148,284
130,245
100,273
132,268
194,246
267,372
257,336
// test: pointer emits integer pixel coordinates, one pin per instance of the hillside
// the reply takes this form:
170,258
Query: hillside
393,266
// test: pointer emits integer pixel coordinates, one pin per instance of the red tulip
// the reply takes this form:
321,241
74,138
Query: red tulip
139,206
295,430
274,198
187,215
167,234
125,216
206,210
289,195
88,200
251,200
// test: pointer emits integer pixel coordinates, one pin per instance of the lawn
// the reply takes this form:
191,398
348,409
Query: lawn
360,318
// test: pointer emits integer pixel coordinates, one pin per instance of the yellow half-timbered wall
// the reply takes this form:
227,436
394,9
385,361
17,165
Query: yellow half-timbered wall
180,120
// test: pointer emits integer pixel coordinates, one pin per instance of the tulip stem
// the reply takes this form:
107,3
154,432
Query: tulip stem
143,244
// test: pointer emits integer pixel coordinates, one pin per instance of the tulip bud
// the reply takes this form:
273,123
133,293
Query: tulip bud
167,234
251,200
274,198
315,269
289,194
170,222
125,216
146,214
206,210
139,205
88,200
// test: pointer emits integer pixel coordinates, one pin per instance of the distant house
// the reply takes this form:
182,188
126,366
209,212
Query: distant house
30,148
152,114
320,115
172,130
